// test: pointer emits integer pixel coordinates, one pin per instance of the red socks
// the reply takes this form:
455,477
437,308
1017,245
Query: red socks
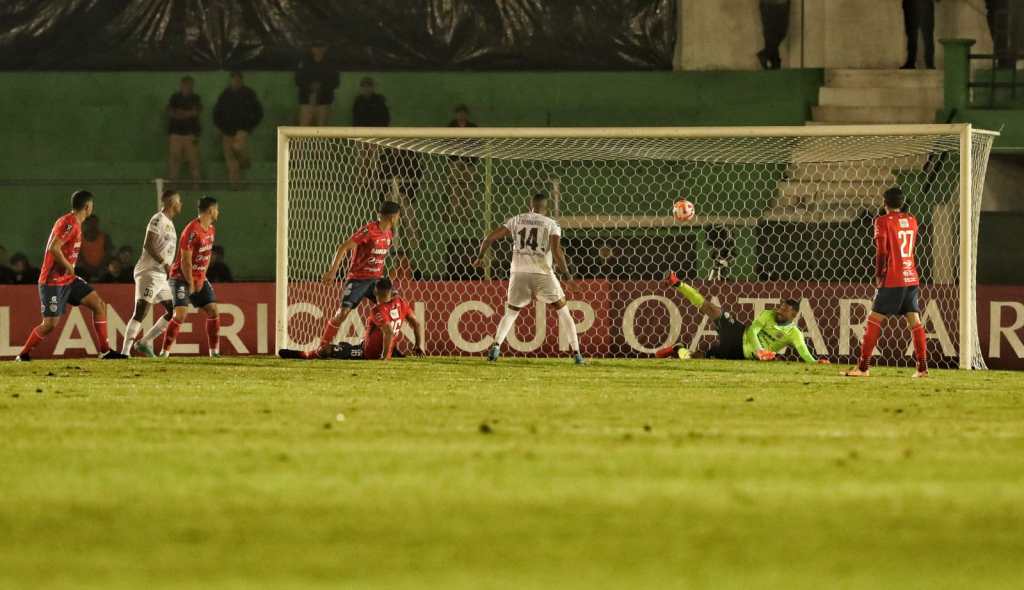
170,335
867,347
330,331
212,333
101,333
664,353
920,347
33,339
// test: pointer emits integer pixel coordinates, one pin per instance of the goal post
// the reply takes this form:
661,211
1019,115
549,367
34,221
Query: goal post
781,212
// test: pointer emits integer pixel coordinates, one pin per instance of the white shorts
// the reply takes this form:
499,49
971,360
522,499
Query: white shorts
524,287
152,287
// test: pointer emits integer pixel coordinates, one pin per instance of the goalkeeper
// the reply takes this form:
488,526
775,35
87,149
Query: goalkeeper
772,331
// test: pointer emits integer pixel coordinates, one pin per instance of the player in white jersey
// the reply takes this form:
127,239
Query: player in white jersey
536,254
151,275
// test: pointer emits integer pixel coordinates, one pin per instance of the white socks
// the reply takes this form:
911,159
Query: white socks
569,325
130,332
158,328
505,325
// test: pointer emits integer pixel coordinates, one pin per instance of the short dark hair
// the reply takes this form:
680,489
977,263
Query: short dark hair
79,199
461,108
366,81
167,195
187,79
235,73
206,202
389,208
894,198
384,285
539,196
794,303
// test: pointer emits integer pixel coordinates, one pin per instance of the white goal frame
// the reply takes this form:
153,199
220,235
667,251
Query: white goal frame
967,200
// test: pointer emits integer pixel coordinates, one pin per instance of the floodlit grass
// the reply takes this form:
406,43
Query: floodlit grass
443,473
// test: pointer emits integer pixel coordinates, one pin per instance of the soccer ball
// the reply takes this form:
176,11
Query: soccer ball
683,210
683,353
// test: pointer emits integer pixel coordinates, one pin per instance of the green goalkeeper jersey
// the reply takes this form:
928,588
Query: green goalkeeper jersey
767,334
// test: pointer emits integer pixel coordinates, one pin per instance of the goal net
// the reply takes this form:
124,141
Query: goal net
782,212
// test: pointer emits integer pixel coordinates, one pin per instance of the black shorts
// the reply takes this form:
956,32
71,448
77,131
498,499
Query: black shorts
200,299
53,299
730,338
356,290
896,301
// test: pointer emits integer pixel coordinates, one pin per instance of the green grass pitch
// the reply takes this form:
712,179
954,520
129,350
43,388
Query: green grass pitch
456,473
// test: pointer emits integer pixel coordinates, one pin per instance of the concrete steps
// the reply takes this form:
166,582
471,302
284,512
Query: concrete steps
924,97
883,78
873,115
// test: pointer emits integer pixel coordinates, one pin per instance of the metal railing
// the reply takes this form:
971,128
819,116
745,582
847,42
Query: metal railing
1001,78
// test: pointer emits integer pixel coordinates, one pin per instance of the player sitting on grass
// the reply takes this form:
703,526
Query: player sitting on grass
383,331
772,330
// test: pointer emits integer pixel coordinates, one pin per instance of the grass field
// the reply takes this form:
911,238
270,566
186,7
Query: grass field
442,473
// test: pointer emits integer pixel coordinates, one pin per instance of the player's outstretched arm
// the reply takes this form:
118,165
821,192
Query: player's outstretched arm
389,340
799,343
339,256
752,342
495,235
417,327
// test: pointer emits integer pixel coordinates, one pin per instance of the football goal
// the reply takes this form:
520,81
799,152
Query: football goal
781,212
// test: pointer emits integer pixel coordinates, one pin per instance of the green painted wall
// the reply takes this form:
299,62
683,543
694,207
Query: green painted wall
67,128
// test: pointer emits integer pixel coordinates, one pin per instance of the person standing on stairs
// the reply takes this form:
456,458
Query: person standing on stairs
919,15
774,24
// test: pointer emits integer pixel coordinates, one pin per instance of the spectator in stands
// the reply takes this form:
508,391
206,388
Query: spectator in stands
370,109
116,272
127,257
461,117
461,167
774,26
183,130
238,111
317,80
219,271
96,248
6,274
999,26
919,15
24,273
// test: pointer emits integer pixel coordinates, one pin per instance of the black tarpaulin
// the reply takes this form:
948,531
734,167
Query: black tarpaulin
370,35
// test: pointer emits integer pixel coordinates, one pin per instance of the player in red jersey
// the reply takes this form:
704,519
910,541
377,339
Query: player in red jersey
369,247
188,277
383,331
58,285
896,273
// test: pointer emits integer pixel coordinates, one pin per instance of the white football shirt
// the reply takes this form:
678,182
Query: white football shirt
164,239
531,242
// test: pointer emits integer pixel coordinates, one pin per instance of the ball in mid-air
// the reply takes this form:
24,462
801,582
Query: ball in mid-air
683,210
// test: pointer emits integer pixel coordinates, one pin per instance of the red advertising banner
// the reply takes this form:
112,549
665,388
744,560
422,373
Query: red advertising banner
614,318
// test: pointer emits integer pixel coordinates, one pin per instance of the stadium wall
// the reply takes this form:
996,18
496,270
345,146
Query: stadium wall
66,127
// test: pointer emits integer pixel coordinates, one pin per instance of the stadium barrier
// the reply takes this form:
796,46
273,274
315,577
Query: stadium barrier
611,317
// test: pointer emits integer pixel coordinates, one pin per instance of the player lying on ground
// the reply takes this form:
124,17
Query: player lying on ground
188,277
58,285
896,273
151,272
772,331
383,331
536,250
369,247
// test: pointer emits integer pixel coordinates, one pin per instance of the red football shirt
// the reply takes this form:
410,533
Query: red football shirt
368,257
392,313
895,240
69,230
199,242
